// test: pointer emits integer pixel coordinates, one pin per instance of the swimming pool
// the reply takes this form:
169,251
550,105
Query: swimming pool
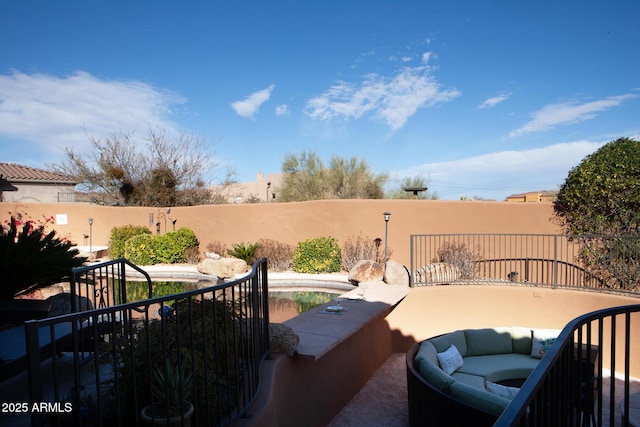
285,300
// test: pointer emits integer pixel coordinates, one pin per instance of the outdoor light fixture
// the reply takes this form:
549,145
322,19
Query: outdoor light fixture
90,235
387,215
268,186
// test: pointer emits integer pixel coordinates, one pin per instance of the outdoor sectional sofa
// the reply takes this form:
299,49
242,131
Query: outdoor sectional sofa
484,368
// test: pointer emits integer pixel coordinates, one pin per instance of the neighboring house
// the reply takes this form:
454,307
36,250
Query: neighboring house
36,185
534,196
258,191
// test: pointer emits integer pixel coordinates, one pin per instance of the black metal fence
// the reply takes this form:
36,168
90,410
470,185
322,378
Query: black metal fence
120,362
610,262
575,383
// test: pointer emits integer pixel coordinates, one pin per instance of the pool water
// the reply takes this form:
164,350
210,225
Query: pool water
283,305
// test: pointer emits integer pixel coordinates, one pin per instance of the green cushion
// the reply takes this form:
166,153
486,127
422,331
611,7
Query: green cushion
479,399
434,375
426,351
498,367
457,338
472,380
488,341
521,340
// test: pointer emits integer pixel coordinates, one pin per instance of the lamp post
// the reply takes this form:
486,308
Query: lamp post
268,186
90,235
387,215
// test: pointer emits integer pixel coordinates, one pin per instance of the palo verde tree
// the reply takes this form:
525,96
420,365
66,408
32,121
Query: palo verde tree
601,196
158,169
399,192
307,178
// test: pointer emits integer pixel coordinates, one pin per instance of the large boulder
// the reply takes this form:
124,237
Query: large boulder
366,271
61,304
396,274
282,339
437,273
223,268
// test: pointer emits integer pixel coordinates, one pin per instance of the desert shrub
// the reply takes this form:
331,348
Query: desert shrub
120,235
31,259
359,247
317,255
217,247
244,251
145,249
461,256
172,245
278,254
209,355
192,255
142,249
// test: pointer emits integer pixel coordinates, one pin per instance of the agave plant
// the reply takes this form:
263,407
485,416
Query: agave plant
244,251
31,259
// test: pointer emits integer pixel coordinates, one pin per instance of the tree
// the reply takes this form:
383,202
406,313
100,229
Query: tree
160,169
602,194
307,178
398,192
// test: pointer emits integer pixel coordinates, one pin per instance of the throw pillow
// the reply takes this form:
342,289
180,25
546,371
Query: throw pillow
542,341
501,390
450,359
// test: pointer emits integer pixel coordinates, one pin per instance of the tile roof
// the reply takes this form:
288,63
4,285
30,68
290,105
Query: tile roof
18,173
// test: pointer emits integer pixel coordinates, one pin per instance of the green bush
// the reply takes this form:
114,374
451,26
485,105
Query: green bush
317,255
172,245
120,235
142,249
169,248
244,251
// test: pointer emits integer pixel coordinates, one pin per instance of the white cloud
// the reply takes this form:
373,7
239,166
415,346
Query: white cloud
497,175
494,100
388,100
283,110
53,112
568,112
252,103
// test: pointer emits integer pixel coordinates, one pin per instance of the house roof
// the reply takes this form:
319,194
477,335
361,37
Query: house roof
16,174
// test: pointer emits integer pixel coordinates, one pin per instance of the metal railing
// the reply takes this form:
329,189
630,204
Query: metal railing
584,379
539,259
102,285
218,336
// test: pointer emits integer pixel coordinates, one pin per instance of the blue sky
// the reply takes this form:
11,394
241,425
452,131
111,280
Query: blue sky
481,98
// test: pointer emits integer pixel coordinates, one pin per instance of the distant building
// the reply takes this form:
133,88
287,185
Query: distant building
534,196
263,189
36,185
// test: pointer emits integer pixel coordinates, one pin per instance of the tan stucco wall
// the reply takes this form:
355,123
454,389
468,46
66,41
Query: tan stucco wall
294,222
433,310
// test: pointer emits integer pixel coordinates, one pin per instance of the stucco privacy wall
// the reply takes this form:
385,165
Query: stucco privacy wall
294,222
429,311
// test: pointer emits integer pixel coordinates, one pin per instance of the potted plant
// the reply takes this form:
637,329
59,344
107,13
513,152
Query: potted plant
172,386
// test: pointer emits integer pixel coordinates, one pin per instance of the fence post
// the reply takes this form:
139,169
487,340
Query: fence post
411,272
555,261
32,340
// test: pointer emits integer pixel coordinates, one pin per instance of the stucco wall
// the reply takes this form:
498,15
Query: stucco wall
429,311
294,222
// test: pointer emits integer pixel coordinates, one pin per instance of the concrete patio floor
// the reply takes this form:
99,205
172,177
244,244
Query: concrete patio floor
382,401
